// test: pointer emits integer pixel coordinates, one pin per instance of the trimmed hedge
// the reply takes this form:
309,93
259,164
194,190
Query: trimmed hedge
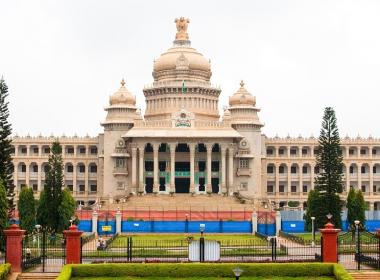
5,269
205,269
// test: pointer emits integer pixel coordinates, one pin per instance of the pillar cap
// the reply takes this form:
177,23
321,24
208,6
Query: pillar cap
14,230
329,228
73,231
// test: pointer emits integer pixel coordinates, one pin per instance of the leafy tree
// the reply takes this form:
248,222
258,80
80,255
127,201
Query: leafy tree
3,207
356,207
27,209
328,183
52,195
6,166
66,210
314,206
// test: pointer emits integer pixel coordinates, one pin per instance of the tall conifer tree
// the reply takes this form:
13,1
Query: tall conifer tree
27,209
328,183
6,166
50,200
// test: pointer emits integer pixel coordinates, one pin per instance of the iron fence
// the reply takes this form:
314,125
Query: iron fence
130,249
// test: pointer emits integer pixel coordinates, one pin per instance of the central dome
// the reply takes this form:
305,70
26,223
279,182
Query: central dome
181,62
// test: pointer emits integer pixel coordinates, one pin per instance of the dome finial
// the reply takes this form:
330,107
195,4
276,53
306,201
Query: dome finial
241,83
181,25
122,82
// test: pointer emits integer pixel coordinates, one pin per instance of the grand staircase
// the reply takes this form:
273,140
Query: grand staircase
212,202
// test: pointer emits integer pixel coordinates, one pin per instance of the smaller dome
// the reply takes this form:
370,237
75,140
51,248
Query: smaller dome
242,97
123,96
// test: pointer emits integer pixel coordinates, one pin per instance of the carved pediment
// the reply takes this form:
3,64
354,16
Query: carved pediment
182,118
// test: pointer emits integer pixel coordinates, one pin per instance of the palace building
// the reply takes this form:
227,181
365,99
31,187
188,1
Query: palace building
183,145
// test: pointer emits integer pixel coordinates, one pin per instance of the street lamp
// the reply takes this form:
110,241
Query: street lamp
357,222
329,217
38,227
202,228
202,243
237,272
313,230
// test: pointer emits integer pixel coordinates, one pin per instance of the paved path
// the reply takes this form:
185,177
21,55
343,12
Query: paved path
367,275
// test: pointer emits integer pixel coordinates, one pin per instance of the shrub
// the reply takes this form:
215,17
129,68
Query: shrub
66,273
4,271
205,269
340,273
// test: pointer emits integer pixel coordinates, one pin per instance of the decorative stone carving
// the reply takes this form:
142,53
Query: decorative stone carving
182,63
183,118
182,25
244,144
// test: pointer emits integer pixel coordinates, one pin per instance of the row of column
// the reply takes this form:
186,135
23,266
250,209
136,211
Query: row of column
172,148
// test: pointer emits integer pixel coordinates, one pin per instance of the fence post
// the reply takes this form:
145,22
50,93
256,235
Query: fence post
278,222
329,243
118,221
14,236
73,244
254,222
95,222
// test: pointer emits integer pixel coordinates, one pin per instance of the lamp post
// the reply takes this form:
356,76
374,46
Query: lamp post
313,230
357,222
237,272
202,243
38,227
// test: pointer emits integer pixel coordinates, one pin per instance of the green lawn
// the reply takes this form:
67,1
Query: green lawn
205,278
308,236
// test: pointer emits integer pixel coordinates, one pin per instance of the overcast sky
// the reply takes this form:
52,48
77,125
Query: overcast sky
63,59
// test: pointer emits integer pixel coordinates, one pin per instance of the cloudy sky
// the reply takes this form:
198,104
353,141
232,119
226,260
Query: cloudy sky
62,59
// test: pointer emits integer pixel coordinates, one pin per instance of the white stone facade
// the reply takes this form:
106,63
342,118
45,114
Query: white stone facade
183,145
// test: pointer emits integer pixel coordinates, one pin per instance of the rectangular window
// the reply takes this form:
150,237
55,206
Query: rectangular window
270,188
35,168
93,169
281,169
316,151
81,188
82,150
70,169
82,169
93,188
293,169
47,150
35,150
351,151
293,152
304,169
244,163
364,188
281,151
120,162
270,169
35,187
281,188
269,151
215,166
304,151
316,170
70,150
201,166
304,189
23,168
94,150
363,169
293,189
374,188
351,169
374,151
363,151
374,169
23,150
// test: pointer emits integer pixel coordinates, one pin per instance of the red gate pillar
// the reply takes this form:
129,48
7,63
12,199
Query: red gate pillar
329,243
73,244
14,236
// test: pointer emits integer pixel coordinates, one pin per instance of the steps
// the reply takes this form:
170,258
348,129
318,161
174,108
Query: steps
181,201
37,276
368,275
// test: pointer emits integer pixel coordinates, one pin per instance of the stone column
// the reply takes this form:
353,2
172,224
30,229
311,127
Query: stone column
371,179
155,168
118,217
141,170
223,169
329,244
277,179
134,169
74,177
348,177
254,222
289,178
172,167
14,237
231,169
73,245
39,186
86,186
359,175
94,223
27,165
192,156
278,222
312,177
209,153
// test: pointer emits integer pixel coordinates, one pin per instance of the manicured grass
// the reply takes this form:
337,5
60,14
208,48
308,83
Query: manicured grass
205,278
308,237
